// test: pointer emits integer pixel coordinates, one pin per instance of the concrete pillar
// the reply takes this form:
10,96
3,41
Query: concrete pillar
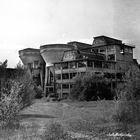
46,79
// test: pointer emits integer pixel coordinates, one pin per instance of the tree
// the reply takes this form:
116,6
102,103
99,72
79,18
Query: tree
4,64
128,104
91,87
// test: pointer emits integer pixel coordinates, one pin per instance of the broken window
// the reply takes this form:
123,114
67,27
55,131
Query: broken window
102,51
72,65
65,76
36,64
105,65
64,65
58,76
111,57
30,65
97,64
65,86
89,63
82,64
72,75
96,50
71,86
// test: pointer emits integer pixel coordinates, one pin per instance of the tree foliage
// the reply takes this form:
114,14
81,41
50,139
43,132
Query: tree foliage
91,87
4,64
17,94
128,104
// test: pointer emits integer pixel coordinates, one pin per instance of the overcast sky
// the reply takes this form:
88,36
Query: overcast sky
31,23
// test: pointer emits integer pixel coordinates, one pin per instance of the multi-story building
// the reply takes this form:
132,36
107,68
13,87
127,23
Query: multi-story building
106,56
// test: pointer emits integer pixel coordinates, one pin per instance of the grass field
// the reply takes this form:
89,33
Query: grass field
88,120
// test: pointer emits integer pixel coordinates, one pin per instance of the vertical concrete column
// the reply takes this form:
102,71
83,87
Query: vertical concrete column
41,78
69,77
106,53
54,78
46,79
61,82
49,76
77,67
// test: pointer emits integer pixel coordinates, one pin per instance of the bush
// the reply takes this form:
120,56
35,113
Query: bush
26,92
10,105
16,95
128,104
91,87
38,91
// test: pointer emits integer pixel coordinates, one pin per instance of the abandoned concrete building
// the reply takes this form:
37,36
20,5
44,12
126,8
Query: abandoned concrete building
54,66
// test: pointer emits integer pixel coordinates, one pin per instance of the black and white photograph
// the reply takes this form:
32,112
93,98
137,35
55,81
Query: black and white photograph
69,70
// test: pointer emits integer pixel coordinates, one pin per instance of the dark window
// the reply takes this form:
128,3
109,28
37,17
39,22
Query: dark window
72,65
72,75
96,50
97,64
64,65
65,95
71,85
58,86
82,73
105,65
98,73
130,50
113,75
113,66
90,64
65,86
111,57
58,76
108,65
29,65
107,75
102,51
65,76
119,75
36,64
81,64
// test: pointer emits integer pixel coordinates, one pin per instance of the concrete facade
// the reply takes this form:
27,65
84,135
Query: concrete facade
62,62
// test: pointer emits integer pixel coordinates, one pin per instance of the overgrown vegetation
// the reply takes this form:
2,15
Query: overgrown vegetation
16,94
93,118
90,87
128,104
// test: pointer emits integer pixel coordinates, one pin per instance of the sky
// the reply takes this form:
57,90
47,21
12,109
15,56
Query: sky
32,23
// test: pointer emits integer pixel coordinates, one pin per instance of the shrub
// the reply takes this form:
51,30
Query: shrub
27,92
16,95
127,106
38,91
10,105
91,87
